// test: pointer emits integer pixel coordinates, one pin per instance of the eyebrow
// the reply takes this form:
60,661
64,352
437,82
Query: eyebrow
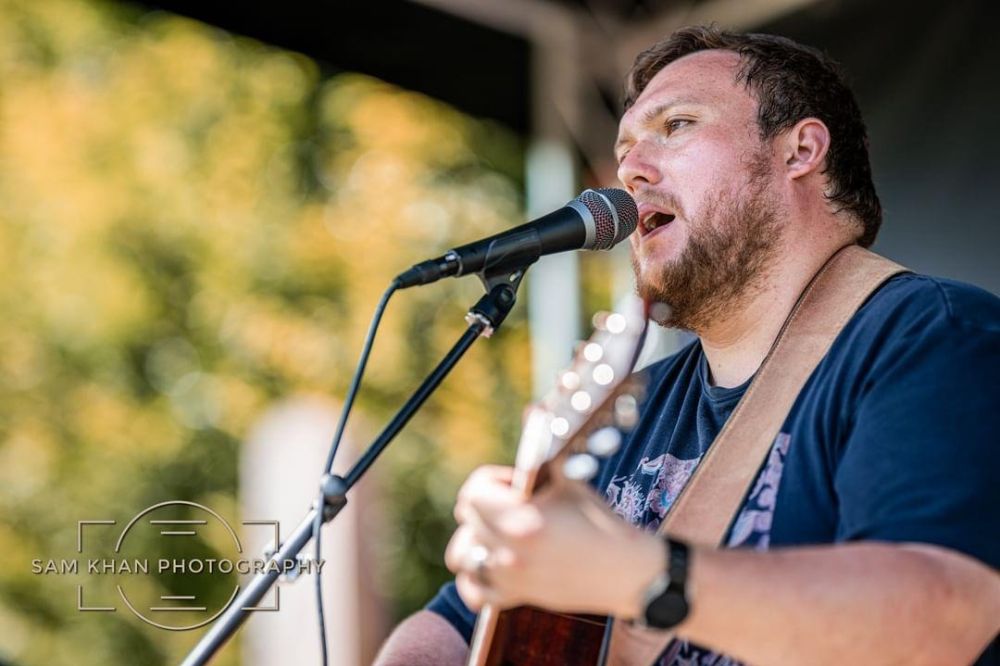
649,116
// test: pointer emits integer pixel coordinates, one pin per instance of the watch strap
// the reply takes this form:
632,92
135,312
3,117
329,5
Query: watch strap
667,604
678,556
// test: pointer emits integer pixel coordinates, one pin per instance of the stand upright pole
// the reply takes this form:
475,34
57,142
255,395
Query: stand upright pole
483,318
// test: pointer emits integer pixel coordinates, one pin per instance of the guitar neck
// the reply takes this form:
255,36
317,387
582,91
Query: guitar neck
526,479
561,442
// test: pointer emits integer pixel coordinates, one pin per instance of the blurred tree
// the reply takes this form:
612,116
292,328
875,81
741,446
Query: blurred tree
192,226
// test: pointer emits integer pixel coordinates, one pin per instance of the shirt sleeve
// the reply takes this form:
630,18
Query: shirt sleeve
450,606
921,461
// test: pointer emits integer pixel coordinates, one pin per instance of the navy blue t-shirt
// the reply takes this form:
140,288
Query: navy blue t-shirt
895,437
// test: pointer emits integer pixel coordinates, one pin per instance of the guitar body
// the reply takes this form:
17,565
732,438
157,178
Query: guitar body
530,636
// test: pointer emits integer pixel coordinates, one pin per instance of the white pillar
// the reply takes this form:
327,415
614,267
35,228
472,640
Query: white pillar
554,282
280,469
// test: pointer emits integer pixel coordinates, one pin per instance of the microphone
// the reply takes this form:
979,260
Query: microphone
596,220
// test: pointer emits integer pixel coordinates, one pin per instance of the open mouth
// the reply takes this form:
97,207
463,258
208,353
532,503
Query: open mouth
655,220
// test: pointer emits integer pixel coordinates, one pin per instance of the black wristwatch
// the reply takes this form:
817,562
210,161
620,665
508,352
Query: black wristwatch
666,597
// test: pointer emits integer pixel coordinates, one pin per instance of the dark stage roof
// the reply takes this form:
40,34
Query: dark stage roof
479,70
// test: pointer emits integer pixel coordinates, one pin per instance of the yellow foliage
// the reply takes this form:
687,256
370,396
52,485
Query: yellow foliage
193,227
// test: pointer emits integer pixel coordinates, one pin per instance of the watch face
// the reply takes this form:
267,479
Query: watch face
668,609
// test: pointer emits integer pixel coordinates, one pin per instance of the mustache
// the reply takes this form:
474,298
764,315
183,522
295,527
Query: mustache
660,199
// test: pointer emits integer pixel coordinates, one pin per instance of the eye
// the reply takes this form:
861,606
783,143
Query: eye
674,124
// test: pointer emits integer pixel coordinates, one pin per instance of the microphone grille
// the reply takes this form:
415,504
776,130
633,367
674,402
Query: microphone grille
615,215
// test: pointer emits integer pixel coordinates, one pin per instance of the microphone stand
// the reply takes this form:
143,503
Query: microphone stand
483,318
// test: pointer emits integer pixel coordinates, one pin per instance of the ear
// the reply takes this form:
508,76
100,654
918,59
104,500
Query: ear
804,147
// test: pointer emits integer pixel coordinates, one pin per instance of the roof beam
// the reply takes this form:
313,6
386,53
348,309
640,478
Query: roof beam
730,14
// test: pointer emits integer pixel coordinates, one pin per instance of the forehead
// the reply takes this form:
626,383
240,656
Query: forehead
707,78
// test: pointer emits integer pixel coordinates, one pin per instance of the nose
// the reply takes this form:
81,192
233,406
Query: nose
638,169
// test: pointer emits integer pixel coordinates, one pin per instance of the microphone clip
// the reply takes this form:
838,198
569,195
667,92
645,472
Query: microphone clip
501,295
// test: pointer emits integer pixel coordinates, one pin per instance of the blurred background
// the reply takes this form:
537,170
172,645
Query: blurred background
200,204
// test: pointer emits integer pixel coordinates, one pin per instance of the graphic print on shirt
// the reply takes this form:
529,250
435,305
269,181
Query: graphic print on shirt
753,526
644,497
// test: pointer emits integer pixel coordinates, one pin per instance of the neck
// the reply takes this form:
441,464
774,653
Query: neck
736,343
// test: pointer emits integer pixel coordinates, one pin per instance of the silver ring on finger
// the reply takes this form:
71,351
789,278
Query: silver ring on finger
479,556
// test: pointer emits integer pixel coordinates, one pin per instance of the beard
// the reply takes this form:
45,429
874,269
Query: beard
724,259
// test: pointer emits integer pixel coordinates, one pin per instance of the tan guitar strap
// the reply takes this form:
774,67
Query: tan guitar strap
703,511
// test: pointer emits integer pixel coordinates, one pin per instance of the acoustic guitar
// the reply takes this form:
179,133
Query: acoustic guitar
579,421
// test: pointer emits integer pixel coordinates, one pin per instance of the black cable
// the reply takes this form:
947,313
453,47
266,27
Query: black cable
345,411
317,525
356,380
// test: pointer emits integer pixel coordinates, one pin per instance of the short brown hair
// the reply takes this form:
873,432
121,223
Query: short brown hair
790,82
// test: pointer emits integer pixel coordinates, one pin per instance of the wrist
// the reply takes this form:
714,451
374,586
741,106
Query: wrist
646,562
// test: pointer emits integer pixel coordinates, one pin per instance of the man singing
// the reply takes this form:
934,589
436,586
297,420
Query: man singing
872,532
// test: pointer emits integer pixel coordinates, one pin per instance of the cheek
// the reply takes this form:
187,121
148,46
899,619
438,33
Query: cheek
703,174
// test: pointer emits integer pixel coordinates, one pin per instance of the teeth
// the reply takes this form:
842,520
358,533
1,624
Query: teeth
656,219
